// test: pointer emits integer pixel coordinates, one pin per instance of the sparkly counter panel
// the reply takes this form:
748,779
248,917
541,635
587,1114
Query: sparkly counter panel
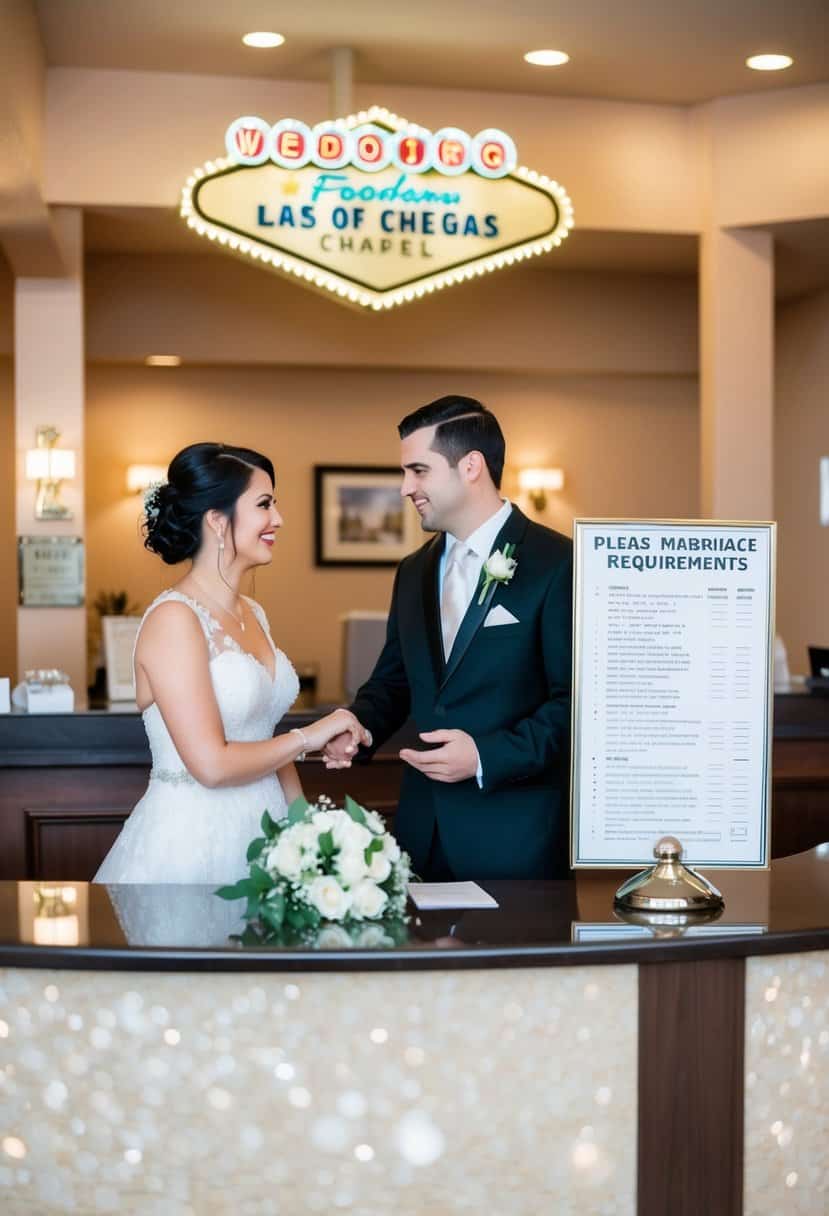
506,1092
787,1085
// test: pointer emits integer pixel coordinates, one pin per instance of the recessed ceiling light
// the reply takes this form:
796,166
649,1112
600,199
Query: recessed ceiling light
163,360
263,38
547,59
769,63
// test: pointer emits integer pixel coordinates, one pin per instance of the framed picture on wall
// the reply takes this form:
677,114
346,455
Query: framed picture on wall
360,518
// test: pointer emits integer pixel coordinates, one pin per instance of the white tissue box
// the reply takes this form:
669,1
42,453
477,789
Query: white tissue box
5,696
45,698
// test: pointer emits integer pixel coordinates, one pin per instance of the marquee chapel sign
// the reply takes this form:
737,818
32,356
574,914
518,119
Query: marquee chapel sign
373,209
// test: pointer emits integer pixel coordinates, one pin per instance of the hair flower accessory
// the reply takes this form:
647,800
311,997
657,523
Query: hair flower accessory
152,500
499,567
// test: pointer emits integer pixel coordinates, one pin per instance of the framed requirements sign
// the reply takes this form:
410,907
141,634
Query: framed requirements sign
672,691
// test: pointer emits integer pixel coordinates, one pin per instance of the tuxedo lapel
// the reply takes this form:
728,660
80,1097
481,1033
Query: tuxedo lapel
511,533
431,605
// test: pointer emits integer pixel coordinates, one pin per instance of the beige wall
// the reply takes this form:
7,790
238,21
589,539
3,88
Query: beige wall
628,445
218,310
8,544
594,372
769,156
801,438
6,308
131,138
49,391
627,167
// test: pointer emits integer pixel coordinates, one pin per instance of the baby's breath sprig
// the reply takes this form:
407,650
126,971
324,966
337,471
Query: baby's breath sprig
152,501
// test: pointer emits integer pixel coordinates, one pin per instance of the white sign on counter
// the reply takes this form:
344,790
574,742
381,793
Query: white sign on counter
672,692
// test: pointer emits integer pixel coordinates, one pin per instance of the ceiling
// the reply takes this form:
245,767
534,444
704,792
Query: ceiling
674,51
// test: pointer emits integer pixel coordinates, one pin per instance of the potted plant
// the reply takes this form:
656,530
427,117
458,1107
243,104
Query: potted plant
107,604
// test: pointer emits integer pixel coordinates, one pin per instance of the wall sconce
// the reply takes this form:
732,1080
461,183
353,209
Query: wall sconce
536,483
141,476
49,465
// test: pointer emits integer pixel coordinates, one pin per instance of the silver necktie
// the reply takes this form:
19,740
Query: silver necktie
455,596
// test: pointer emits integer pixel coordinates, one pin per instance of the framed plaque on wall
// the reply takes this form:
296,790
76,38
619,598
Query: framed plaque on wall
51,571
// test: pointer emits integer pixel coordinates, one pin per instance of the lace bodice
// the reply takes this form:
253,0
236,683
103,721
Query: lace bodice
251,701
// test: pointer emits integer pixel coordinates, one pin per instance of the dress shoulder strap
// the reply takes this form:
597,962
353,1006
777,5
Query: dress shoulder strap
259,612
208,624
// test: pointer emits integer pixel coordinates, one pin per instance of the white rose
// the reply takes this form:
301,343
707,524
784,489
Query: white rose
351,864
333,937
375,822
379,868
391,849
323,820
350,835
328,897
372,936
368,899
307,836
286,857
500,567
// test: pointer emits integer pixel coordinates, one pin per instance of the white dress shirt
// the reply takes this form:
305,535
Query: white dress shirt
480,542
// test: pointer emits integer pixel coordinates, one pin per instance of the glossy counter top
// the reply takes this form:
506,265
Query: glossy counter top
567,923
115,736
112,737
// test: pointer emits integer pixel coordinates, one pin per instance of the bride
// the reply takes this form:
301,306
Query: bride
210,683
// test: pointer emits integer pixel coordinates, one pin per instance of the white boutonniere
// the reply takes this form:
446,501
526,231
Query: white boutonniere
499,567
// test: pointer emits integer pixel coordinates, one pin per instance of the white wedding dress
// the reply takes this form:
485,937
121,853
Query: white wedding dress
183,832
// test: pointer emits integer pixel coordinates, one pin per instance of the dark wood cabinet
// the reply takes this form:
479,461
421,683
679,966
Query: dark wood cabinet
68,783
61,822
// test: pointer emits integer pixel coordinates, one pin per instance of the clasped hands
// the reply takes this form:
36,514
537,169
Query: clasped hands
454,758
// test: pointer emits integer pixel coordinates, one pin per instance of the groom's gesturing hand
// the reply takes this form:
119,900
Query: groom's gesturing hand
455,760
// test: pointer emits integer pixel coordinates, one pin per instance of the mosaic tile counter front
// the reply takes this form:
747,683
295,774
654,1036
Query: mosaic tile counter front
787,1085
506,1092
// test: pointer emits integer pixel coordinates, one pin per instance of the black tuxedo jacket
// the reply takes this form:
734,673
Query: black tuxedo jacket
508,686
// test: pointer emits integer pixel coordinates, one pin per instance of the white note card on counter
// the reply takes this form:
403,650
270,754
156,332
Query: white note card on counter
5,695
431,895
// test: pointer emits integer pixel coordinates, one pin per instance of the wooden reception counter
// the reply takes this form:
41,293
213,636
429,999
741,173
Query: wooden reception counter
541,1057
68,782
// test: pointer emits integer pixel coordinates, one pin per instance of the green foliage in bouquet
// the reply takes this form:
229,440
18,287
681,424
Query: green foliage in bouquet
320,865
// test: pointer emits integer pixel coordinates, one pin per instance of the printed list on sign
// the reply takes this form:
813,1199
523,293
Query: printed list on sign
672,691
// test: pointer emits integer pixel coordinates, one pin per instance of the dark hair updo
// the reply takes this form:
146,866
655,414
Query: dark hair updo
202,477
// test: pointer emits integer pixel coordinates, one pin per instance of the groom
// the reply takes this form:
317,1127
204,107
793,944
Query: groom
482,665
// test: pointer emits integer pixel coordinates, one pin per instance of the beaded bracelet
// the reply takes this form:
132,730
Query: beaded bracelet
296,731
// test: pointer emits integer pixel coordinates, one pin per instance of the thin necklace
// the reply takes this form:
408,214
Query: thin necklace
204,590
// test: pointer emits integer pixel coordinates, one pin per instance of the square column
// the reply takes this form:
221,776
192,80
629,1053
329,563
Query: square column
737,374
49,369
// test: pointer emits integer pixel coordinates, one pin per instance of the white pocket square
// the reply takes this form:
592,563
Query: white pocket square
499,615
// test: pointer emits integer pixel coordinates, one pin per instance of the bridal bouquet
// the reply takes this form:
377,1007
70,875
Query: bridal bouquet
321,864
